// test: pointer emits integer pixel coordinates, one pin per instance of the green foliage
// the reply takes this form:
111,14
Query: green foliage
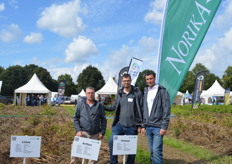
16,76
70,109
227,82
189,148
142,156
13,77
90,76
188,83
215,114
2,106
47,110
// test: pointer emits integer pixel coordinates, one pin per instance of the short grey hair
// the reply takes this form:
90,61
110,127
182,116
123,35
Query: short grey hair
91,88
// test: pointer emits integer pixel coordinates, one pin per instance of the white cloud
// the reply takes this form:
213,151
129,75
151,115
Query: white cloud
10,33
80,49
223,21
13,3
33,38
218,57
63,19
155,14
148,43
146,50
2,7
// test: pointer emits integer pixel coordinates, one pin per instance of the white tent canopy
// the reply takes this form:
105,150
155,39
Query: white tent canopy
110,88
215,90
0,86
34,86
82,93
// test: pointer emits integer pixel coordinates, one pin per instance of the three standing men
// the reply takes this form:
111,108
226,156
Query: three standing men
156,117
89,119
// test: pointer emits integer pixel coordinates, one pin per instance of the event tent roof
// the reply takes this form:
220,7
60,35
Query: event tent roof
33,86
215,90
110,88
0,86
82,93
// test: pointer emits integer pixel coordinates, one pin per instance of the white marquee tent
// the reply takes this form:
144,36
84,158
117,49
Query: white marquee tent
110,88
34,86
0,86
215,90
82,93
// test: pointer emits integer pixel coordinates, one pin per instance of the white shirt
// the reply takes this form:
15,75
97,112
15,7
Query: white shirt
151,96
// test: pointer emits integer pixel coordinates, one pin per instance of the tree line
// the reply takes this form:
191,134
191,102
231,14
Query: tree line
16,76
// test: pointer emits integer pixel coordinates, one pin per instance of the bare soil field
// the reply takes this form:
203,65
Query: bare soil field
55,126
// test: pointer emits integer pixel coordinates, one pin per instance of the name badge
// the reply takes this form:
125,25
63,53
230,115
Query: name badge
130,99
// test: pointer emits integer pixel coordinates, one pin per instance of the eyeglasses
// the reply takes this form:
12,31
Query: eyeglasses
126,81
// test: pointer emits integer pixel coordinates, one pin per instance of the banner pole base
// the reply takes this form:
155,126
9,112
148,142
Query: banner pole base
124,159
24,160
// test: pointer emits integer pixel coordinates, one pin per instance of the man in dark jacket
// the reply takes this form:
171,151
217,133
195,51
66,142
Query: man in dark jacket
89,118
128,115
156,106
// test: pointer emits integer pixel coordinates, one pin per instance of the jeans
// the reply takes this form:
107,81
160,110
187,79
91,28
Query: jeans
119,129
155,144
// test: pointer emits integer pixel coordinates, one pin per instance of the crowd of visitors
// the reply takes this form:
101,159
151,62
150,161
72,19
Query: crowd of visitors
36,100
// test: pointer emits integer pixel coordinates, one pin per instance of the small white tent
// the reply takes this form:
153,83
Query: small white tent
215,90
179,98
0,86
34,86
82,93
110,88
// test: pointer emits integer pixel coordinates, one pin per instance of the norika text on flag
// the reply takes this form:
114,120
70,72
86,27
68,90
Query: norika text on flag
184,27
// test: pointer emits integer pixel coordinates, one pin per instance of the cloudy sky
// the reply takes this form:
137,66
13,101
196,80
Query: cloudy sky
66,36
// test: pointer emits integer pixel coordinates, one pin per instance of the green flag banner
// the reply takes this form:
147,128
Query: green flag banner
184,26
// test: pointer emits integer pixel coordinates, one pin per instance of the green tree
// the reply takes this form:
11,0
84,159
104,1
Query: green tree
141,82
1,70
198,68
90,76
30,70
70,87
43,75
13,77
227,78
188,83
210,79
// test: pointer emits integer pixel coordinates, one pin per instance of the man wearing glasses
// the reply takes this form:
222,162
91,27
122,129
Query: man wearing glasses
128,115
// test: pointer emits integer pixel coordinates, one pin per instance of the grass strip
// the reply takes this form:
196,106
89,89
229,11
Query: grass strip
197,151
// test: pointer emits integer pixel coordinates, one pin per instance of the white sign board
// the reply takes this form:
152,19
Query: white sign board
124,145
25,146
85,148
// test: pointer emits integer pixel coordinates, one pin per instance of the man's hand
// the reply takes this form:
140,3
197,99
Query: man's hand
162,132
79,134
143,131
100,136
139,129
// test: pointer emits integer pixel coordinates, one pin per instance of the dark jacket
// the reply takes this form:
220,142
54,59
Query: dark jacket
91,120
137,106
160,113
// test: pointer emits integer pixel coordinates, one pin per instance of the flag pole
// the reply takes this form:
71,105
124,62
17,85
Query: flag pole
161,43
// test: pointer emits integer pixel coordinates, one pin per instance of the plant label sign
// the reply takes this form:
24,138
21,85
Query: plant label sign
85,148
25,146
124,145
